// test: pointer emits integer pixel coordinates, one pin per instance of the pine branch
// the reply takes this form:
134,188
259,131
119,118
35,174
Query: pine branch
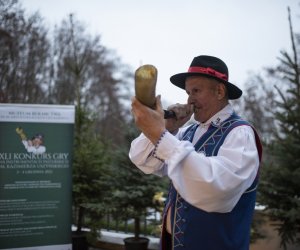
296,66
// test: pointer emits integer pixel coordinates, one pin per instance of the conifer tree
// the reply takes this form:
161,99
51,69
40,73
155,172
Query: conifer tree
280,185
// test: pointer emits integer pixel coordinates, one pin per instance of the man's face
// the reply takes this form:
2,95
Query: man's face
37,142
204,94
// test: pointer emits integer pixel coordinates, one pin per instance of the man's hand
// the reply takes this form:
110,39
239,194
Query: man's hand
150,121
183,114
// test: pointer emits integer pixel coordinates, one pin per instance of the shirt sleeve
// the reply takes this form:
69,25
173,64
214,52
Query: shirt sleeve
25,143
141,154
216,183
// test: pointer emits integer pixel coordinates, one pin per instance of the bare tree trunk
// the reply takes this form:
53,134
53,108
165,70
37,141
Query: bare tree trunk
80,218
137,227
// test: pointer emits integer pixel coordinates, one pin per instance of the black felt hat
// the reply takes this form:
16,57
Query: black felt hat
209,66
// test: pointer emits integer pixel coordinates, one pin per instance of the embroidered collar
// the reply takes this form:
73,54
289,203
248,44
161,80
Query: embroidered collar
219,117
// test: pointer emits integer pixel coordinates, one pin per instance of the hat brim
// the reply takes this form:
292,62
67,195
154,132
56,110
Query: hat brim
233,91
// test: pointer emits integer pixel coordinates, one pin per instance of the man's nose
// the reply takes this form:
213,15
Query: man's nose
190,99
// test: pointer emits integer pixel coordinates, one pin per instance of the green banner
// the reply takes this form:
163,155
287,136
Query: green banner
35,176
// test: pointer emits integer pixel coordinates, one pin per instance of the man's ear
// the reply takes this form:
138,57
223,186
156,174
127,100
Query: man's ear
221,91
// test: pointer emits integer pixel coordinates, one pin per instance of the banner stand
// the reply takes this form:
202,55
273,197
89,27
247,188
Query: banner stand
36,143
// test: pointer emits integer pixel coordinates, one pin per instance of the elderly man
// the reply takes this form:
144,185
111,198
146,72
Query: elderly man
212,164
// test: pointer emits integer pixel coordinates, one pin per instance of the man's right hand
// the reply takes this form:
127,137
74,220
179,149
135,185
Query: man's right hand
183,114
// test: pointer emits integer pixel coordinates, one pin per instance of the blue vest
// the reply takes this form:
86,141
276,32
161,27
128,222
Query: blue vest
196,229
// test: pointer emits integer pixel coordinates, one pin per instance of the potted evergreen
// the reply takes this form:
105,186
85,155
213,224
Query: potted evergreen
133,194
132,197
90,180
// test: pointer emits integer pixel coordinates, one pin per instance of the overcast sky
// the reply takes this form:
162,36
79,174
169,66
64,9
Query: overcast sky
247,35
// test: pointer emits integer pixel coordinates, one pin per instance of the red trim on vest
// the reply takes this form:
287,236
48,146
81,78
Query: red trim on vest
208,71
